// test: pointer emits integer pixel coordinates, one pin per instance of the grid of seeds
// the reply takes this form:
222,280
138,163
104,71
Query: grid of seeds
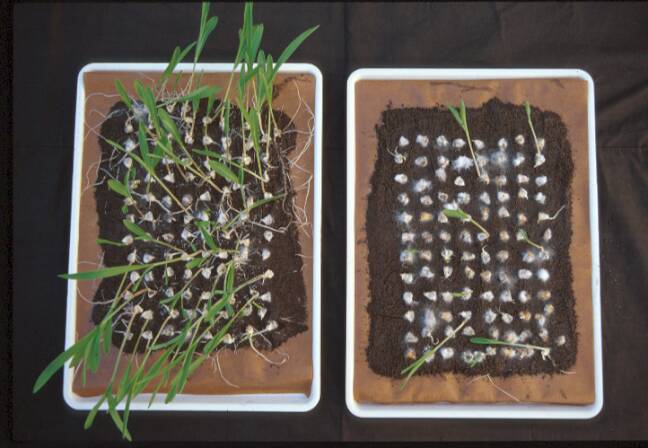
484,278
210,215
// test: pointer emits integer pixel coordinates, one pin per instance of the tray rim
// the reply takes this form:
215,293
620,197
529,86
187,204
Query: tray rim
470,410
275,402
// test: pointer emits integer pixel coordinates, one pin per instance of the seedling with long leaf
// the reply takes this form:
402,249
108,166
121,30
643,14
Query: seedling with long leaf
527,108
521,235
460,116
410,370
465,217
544,351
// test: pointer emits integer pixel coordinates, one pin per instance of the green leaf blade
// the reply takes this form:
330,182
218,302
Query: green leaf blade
223,171
103,273
292,47
118,188
54,366
456,115
458,214
137,230
123,94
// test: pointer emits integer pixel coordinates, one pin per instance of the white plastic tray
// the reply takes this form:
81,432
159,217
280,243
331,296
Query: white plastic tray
187,402
451,410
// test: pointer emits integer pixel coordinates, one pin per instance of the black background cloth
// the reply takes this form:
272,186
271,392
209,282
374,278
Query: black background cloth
52,42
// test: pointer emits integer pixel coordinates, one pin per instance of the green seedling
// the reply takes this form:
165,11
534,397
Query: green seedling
416,365
527,108
460,116
521,235
465,217
544,351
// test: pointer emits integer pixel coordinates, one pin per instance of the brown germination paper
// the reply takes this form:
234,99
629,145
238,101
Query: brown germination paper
243,367
566,97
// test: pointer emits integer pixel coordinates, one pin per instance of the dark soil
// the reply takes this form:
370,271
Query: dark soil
288,302
387,349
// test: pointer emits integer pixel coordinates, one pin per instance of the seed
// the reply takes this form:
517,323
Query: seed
463,198
442,141
524,274
500,181
430,295
518,160
407,278
467,256
421,185
486,276
426,272
186,200
400,178
407,237
447,352
447,296
447,316
543,275
544,295
458,143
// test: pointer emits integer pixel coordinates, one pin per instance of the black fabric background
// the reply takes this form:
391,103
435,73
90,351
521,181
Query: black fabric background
51,42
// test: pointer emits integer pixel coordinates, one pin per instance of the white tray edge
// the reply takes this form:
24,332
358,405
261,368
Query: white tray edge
187,402
462,411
